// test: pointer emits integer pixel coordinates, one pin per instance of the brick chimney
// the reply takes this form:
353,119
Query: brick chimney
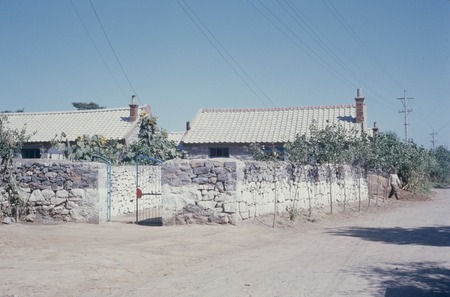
134,110
359,106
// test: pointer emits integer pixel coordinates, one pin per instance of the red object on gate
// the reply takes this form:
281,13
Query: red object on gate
138,193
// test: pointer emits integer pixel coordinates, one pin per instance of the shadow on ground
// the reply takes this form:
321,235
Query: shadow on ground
431,236
417,279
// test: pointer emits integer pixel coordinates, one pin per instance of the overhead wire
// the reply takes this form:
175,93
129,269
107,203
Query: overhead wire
298,42
324,42
114,52
358,40
223,52
97,49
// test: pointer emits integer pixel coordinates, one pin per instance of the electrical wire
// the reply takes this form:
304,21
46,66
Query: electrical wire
97,49
300,44
228,54
358,40
113,51
218,46
329,46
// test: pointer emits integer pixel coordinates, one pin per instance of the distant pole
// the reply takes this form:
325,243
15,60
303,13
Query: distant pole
406,111
433,141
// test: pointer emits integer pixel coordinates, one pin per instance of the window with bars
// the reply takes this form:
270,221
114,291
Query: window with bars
219,152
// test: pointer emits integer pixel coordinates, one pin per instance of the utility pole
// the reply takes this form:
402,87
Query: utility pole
433,141
406,111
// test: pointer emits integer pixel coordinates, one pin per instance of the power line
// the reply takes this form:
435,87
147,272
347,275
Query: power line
329,46
97,49
358,40
433,141
114,52
218,46
296,40
406,111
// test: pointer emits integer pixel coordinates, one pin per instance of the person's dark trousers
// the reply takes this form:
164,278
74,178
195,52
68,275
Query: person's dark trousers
393,192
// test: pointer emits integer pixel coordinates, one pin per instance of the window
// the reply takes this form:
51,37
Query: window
31,153
275,150
219,152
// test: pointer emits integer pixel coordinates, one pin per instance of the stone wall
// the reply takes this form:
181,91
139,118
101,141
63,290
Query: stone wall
199,191
295,188
228,190
193,191
50,191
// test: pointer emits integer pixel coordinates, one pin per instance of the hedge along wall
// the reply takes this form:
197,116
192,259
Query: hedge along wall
50,191
227,191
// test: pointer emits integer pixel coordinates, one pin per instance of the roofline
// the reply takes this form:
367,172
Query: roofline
275,108
65,112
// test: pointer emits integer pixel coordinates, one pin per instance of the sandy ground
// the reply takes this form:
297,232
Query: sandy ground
400,248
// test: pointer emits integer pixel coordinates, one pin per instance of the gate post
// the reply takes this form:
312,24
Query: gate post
108,186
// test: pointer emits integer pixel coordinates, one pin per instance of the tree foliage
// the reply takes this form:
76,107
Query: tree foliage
154,142
441,171
10,111
151,141
86,106
417,167
11,141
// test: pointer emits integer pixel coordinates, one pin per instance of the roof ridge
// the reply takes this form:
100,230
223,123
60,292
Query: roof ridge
65,111
276,108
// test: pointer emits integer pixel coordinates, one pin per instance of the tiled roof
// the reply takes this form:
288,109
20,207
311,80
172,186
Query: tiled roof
175,136
269,125
112,123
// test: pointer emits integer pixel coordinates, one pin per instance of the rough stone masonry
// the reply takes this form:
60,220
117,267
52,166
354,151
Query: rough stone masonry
227,191
50,192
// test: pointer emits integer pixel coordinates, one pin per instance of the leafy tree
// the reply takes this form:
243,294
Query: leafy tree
331,144
263,152
153,141
299,151
10,111
87,147
86,106
440,173
11,142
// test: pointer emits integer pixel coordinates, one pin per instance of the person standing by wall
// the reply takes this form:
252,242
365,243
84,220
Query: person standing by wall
395,183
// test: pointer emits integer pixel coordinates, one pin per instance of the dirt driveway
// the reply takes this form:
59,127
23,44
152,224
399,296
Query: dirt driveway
399,249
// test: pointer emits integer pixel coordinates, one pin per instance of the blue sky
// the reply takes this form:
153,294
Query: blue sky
255,54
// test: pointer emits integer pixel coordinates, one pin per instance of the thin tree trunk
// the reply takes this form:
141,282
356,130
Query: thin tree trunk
378,186
308,188
275,207
331,194
359,189
345,195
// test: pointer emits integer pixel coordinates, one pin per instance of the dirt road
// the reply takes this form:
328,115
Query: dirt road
400,249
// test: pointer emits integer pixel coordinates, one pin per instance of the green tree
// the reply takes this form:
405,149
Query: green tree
153,142
331,144
441,171
11,142
10,111
87,147
86,106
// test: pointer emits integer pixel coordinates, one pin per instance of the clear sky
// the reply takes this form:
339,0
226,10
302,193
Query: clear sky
180,56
